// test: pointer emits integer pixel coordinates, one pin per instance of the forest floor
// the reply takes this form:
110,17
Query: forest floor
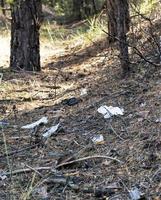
68,164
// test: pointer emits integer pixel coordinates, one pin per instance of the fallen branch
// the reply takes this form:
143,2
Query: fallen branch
35,170
88,158
66,181
19,171
75,156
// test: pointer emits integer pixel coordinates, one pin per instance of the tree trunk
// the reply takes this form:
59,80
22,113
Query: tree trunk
25,25
118,26
122,29
112,15
3,7
112,19
77,7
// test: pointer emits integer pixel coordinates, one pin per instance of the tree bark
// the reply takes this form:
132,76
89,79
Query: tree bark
25,25
118,26
122,29
3,7
112,19
77,6
112,15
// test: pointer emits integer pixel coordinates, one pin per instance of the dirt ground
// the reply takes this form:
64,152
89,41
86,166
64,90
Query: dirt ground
68,165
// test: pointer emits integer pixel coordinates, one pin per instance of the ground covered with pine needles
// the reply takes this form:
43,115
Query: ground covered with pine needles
68,165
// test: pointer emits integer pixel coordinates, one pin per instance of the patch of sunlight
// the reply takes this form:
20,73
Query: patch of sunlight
4,50
148,6
82,39
48,49
75,36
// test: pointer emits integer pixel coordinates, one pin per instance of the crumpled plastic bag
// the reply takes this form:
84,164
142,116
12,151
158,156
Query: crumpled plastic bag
109,111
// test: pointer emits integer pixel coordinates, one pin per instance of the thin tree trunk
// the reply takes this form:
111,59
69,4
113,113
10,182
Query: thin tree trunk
118,26
25,25
3,7
112,19
77,6
122,28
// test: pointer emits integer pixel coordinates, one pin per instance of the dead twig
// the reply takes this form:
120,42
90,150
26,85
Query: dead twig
35,170
155,174
88,158
113,130
19,171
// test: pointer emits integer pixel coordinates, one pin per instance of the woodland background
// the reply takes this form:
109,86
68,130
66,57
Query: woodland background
62,64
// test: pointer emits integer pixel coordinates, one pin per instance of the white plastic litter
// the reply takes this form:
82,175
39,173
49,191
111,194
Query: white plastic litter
158,120
3,177
108,112
43,120
143,104
83,92
98,139
135,194
52,130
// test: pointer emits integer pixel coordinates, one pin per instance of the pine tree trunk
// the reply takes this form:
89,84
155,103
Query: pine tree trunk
122,29
118,26
25,25
3,7
112,20
77,6
112,15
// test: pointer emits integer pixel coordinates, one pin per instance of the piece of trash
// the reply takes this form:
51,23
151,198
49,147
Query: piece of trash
3,177
83,92
71,101
3,123
135,194
108,112
43,120
98,139
143,104
1,76
51,130
158,120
